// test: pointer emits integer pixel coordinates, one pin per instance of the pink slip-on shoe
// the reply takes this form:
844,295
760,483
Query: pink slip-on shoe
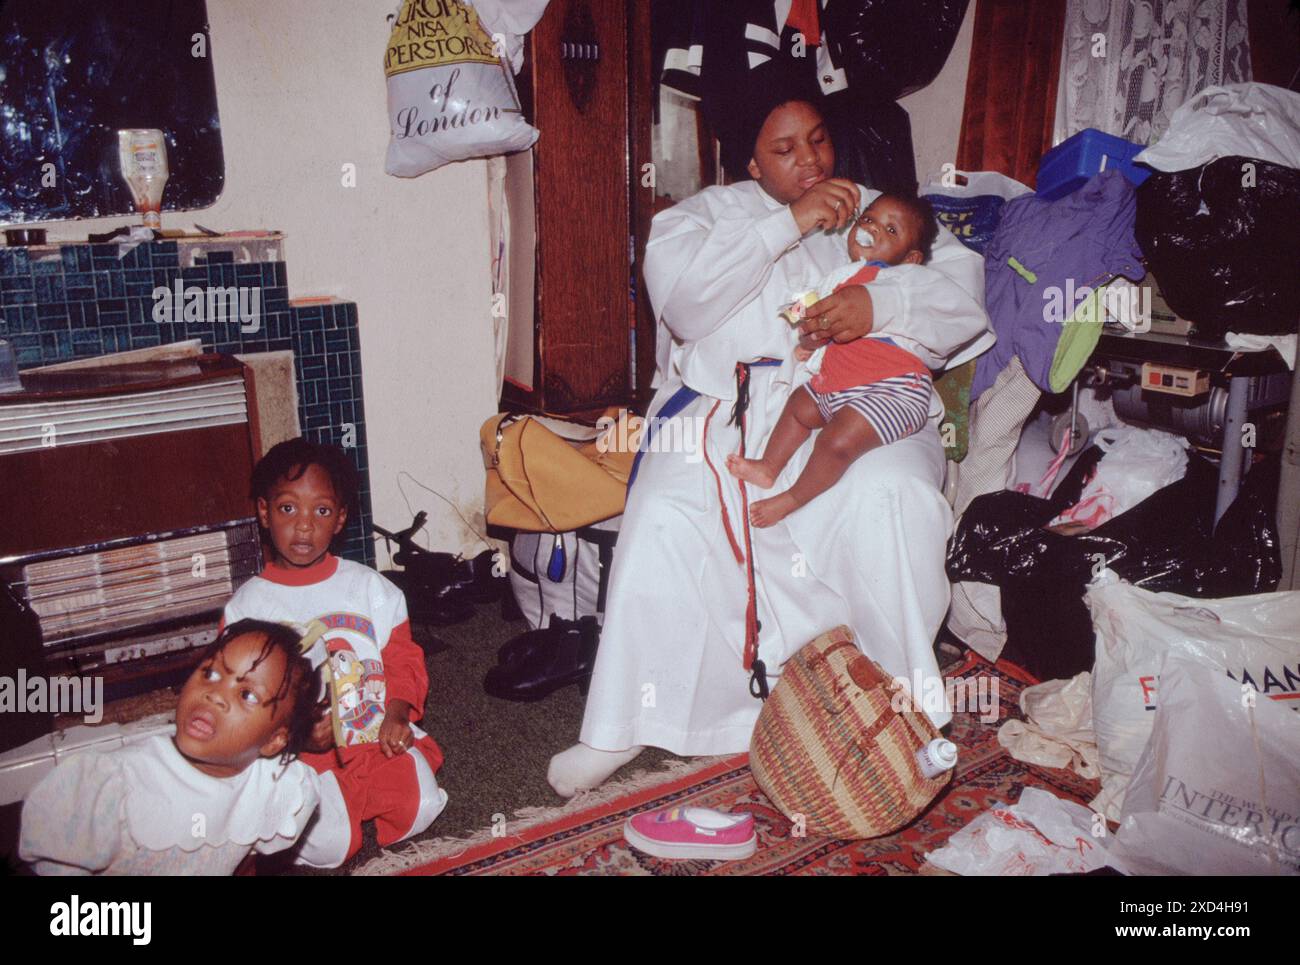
692,833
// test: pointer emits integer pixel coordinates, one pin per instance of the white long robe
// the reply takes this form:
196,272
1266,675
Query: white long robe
868,553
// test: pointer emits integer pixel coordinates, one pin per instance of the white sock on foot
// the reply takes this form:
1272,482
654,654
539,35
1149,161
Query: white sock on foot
582,767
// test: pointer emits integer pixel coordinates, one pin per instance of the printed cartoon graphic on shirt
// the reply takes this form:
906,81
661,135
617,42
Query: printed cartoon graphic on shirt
359,684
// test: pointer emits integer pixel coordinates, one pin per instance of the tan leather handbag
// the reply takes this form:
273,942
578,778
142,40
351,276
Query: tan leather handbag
551,475
829,748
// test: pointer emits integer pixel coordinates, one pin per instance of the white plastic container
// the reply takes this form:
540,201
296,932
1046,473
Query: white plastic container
936,757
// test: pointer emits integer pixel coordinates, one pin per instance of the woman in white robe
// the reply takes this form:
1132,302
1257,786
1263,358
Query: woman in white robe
868,553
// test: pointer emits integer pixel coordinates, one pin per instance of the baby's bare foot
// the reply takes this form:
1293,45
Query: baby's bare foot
769,512
751,471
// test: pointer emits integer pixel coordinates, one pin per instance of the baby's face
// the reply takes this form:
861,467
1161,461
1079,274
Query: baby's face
886,232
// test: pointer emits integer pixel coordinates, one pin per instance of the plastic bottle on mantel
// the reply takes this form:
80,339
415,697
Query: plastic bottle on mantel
936,757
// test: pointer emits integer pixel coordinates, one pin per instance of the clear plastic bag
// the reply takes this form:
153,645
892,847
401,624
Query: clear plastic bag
1039,835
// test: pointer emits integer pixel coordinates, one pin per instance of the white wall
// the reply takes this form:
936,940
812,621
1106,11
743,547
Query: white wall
936,110
300,91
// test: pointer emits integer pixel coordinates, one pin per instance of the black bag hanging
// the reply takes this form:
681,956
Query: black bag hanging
1220,239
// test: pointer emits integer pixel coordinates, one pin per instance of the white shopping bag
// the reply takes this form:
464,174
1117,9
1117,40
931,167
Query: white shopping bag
1137,464
1251,120
450,93
1253,642
1217,788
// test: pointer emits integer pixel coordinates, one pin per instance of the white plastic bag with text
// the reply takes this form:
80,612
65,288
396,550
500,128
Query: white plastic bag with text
450,93
1217,788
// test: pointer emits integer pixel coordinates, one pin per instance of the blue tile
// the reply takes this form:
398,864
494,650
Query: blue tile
87,343
80,288
102,286
194,275
26,318
49,288
28,350
313,368
46,310
68,256
221,257
318,418
84,261
336,343
117,284
9,264
47,266
54,323
310,317
248,273
13,283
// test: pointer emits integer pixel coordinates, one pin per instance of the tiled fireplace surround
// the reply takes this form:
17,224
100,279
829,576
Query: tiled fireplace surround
72,301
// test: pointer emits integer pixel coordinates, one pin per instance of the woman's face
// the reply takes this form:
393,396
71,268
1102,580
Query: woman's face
793,152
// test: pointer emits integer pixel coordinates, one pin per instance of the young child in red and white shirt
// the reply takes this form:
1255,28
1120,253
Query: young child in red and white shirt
374,762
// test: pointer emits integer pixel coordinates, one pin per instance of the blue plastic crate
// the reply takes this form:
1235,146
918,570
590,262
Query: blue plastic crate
1069,165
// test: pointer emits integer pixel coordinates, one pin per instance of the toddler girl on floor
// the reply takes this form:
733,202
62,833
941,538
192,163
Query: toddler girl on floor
224,786
374,763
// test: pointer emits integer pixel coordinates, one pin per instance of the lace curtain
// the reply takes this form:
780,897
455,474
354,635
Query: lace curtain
1126,66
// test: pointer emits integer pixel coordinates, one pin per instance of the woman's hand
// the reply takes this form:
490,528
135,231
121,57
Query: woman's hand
395,732
828,205
843,316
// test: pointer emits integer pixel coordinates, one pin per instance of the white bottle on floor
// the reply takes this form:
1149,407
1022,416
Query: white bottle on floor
936,757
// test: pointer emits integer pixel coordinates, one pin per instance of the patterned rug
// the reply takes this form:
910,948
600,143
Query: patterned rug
586,836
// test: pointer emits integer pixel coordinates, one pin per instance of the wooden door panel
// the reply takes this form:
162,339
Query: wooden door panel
580,97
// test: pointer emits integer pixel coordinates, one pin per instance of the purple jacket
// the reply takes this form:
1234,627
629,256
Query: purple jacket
1081,240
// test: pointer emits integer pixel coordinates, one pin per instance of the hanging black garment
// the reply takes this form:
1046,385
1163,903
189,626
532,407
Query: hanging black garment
872,53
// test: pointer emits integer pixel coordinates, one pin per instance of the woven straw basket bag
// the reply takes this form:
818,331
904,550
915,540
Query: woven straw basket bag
828,746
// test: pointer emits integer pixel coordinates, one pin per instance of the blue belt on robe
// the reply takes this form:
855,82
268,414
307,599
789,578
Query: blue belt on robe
678,401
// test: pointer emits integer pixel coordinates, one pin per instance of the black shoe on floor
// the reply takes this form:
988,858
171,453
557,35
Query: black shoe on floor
543,661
